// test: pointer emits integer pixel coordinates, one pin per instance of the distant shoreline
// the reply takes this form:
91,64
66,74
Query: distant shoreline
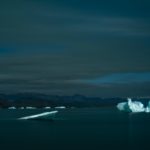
37,100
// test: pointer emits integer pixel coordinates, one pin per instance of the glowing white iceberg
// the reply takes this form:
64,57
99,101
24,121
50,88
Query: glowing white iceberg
132,106
135,106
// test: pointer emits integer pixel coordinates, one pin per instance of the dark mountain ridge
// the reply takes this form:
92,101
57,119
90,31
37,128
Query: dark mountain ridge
42,100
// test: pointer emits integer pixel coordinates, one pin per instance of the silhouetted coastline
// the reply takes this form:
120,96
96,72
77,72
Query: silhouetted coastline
42,100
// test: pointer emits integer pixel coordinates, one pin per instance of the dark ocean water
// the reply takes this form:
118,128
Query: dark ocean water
75,129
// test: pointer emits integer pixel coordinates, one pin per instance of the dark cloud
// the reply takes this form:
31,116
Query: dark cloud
46,44
118,78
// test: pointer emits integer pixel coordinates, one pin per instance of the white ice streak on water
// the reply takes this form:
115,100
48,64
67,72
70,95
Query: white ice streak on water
133,106
41,115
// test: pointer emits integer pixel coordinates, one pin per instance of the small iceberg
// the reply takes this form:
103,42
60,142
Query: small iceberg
28,107
12,107
60,107
132,106
47,107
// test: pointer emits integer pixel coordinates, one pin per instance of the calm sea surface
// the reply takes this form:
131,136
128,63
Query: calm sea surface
75,129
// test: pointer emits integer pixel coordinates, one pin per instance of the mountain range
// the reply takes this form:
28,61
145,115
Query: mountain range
42,100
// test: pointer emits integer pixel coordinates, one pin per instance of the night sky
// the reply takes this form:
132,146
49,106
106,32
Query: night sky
66,47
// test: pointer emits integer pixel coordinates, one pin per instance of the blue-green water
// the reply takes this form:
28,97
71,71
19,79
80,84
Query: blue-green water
75,129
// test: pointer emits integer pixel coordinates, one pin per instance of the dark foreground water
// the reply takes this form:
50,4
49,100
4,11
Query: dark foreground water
75,129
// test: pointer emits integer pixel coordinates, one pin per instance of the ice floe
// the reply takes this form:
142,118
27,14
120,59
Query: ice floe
47,107
12,107
28,107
